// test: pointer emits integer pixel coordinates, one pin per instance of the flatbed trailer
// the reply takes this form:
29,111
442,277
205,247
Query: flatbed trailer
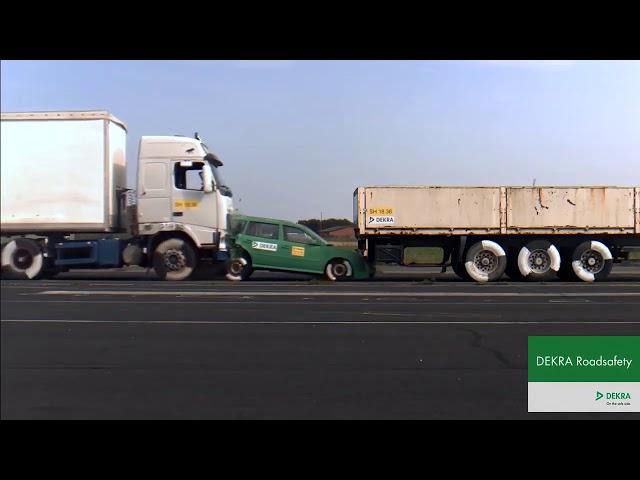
533,233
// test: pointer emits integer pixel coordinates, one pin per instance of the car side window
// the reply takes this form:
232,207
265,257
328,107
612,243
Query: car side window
262,230
293,234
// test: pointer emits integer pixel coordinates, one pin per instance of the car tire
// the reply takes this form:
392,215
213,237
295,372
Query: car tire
485,261
338,270
238,269
538,261
22,258
592,261
174,259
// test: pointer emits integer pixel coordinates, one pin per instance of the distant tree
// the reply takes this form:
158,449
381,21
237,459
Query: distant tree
316,225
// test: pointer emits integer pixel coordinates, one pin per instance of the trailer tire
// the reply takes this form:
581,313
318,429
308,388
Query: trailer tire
458,266
22,258
592,261
239,269
174,259
485,261
538,261
338,270
512,270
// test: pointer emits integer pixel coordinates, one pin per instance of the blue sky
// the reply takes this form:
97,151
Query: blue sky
298,136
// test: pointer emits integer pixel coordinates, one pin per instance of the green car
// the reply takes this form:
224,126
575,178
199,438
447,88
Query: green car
257,243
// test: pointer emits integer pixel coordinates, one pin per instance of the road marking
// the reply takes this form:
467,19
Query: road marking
179,301
321,322
332,294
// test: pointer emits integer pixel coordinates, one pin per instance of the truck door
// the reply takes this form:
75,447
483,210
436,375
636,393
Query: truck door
190,204
154,192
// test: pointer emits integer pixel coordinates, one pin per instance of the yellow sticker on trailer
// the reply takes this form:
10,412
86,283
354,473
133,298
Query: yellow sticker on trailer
381,211
297,251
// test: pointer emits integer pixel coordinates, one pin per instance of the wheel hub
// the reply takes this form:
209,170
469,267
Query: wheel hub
539,261
592,261
486,261
22,258
235,268
339,269
174,260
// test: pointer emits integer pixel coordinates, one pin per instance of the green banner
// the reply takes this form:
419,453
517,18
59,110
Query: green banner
584,359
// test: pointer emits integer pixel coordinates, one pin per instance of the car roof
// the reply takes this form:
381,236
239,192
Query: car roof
250,218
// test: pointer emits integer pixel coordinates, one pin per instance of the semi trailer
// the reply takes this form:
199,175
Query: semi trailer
65,202
529,233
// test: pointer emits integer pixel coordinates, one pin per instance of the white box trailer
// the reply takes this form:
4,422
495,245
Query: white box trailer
61,171
562,221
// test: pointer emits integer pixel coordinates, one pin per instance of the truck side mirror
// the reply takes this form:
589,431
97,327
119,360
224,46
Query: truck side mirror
207,178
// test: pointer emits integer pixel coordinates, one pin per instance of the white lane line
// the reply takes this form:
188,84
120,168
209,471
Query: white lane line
331,294
179,301
321,322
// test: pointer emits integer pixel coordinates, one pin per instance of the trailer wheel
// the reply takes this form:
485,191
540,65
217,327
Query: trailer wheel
512,270
338,270
539,261
239,269
592,261
485,261
458,266
174,259
22,259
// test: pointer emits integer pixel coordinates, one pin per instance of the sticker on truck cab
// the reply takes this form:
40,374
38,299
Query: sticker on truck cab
185,204
297,251
271,247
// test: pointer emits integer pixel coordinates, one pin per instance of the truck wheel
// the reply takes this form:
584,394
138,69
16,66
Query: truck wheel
338,270
174,259
485,261
239,269
592,261
539,261
22,258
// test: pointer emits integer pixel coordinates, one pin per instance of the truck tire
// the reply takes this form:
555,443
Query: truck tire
539,261
174,259
592,261
338,270
239,269
485,261
22,258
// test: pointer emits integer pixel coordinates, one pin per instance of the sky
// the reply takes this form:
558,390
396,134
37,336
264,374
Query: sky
297,137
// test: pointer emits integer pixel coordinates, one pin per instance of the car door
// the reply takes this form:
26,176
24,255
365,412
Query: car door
300,251
262,241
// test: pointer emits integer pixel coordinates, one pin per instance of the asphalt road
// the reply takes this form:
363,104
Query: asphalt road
123,345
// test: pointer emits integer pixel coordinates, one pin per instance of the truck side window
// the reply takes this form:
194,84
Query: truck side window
292,234
188,178
263,230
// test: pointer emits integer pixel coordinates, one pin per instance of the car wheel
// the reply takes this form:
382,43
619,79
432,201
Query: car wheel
338,270
239,269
